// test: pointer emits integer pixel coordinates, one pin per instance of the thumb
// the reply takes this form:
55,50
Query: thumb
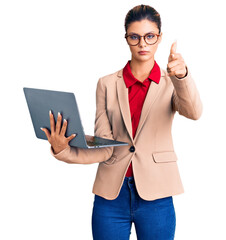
47,133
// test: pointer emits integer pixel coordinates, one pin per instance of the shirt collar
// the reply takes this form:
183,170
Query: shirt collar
130,79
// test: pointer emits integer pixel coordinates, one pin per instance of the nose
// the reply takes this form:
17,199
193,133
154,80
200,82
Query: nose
142,42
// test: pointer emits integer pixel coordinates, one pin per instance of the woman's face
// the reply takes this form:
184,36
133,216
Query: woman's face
143,51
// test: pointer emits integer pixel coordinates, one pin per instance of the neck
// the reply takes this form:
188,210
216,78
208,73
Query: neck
141,70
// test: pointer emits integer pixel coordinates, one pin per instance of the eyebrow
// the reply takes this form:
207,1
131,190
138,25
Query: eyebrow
139,34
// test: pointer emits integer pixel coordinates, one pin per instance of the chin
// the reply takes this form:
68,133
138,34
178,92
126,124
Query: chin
144,58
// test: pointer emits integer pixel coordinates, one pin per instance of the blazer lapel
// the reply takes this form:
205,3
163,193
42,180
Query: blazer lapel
123,99
152,94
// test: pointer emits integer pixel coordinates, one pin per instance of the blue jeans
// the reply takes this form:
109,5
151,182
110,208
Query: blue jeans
153,220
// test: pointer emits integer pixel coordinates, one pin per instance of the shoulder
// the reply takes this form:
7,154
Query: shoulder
112,76
110,79
163,72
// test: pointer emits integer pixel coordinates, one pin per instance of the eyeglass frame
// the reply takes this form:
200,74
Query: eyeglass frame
126,36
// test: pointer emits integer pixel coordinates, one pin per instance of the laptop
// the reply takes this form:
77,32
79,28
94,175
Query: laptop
41,101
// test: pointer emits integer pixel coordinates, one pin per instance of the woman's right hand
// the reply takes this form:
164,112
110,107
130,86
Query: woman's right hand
57,137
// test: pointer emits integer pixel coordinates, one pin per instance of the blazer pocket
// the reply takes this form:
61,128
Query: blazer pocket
164,157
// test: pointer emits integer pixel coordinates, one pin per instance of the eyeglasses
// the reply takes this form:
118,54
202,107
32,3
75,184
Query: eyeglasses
149,38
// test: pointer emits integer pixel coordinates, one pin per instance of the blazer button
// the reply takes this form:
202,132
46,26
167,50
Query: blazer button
132,149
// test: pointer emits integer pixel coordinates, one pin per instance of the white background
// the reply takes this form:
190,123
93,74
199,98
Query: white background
68,45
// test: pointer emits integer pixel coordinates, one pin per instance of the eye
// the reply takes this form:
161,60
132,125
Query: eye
150,36
134,37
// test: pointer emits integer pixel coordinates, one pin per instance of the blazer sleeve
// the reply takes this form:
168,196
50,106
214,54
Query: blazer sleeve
102,129
185,98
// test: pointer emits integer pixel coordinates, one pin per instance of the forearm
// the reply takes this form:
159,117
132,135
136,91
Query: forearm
83,156
186,99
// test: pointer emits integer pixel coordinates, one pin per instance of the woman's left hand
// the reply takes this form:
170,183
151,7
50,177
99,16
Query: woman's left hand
176,65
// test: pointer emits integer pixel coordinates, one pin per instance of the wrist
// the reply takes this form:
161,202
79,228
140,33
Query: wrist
57,150
185,75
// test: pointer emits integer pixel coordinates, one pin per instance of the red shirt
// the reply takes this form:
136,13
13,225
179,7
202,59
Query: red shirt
137,93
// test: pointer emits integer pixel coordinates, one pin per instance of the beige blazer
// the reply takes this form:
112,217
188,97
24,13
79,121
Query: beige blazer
153,157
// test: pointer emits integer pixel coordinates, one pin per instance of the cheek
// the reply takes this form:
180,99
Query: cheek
133,49
154,49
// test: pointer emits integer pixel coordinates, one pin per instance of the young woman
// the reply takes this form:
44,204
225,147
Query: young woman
136,105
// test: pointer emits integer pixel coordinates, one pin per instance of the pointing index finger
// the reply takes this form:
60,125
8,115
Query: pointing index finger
173,48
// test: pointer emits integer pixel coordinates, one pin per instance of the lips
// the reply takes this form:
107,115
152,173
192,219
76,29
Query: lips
143,52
